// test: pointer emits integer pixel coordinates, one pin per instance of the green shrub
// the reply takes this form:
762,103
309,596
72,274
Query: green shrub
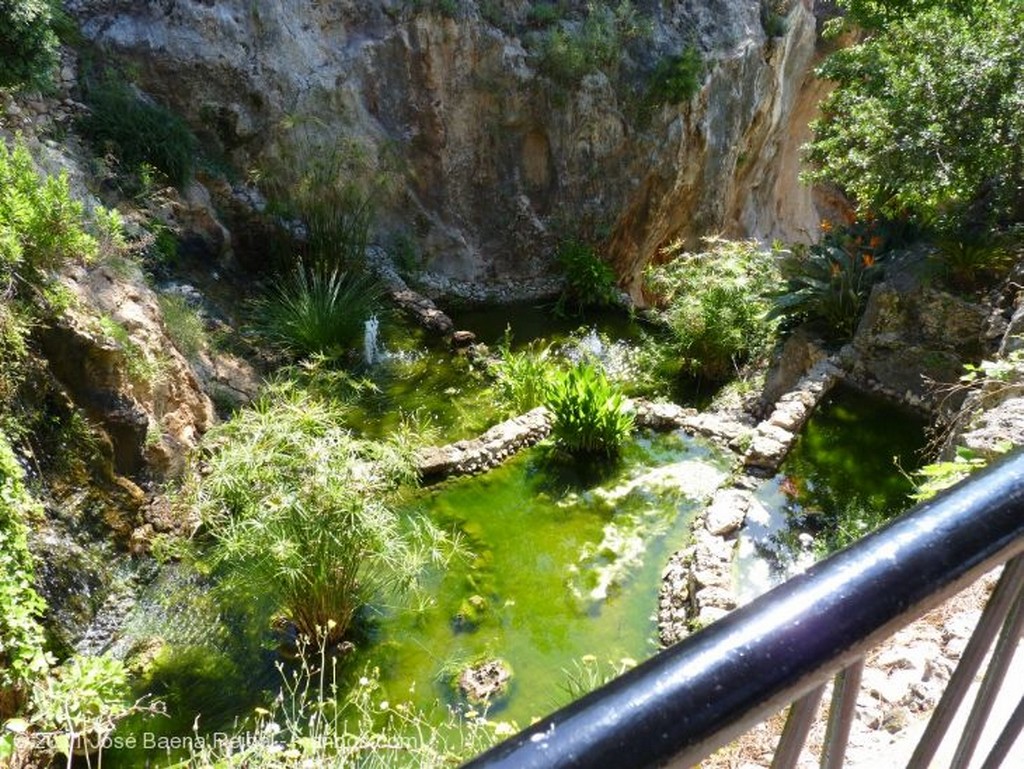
22,656
828,283
81,702
567,53
28,44
139,133
545,14
14,328
927,119
715,305
41,226
523,379
313,312
588,412
773,17
675,79
183,324
590,281
295,508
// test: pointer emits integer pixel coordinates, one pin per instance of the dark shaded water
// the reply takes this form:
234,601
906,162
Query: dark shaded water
846,475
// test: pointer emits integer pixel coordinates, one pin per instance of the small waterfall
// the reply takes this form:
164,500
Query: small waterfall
371,343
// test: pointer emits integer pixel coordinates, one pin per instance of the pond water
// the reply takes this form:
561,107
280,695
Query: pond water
418,377
846,475
566,563
564,560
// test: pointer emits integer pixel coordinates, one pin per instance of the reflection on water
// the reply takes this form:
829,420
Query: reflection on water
845,476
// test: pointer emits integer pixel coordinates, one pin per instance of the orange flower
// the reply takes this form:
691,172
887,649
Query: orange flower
868,260
826,226
875,242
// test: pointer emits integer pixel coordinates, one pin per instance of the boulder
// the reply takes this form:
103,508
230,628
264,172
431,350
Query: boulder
485,682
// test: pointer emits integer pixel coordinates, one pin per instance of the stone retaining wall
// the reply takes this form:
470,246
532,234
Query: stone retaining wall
486,451
697,584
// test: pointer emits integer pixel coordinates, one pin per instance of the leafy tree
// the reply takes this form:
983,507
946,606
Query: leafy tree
927,120
879,14
28,44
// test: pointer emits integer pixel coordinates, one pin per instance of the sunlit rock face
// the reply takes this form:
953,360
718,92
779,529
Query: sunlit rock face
479,158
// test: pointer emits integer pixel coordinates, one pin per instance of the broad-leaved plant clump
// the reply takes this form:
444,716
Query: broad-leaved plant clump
827,283
588,411
81,702
589,280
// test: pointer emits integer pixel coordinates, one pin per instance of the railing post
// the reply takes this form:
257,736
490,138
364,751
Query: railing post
840,715
1006,739
998,606
1006,647
798,723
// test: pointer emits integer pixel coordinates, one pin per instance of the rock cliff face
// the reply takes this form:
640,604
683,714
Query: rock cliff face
486,161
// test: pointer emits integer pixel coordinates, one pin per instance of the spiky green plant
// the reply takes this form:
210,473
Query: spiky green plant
828,283
588,412
314,312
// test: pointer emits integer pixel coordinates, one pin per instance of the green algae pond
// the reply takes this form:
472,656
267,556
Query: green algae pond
848,473
559,580
565,563
561,563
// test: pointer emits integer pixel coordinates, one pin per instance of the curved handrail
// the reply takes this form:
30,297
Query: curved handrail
698,695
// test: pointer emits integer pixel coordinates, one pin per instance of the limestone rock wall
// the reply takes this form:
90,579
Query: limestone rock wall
111,352
487,163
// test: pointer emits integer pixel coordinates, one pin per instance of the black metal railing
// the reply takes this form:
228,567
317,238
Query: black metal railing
697,696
